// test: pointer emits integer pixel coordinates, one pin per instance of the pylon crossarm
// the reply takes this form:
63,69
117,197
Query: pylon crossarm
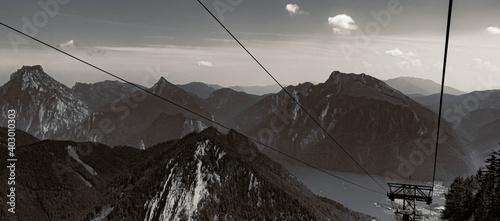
410,192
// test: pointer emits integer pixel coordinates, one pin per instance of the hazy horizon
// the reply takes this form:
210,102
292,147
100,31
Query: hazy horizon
154,80
297,41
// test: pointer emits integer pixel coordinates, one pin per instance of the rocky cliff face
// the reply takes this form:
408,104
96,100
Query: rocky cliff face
205,176
378,125
44,106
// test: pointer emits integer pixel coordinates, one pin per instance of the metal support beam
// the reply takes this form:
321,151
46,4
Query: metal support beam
410,194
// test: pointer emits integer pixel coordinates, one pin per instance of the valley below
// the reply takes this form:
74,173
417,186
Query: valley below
359,199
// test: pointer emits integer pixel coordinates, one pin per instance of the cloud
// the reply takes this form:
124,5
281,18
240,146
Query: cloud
394,52
294,9
68,44
410,58
480,65
204,64
342,24
493,30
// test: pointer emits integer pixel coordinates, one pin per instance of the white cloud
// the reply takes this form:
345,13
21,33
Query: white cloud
294,9
493,30
68,44
480,65
410,58
342,24
204,64
394,52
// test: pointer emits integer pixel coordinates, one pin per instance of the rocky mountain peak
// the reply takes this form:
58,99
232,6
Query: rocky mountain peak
163,85
342,78
34,78
362,85
44,105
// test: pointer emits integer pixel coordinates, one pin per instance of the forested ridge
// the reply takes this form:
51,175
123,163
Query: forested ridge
476,197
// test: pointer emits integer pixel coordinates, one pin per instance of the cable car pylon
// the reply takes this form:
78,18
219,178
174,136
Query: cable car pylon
409,194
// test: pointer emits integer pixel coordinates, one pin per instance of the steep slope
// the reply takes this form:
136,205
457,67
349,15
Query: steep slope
478,118
101,93
119,123
200,89
466,102
469,111
432,101
379,126
63,180
487,137
476,115
44,106
418,86
225,103
210,176
204,176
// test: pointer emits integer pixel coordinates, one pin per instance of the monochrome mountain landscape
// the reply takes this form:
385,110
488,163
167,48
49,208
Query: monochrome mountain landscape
112,151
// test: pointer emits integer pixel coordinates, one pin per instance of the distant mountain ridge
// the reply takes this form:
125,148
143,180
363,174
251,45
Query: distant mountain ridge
110,111
203,90
361,111
227,103
419,87
258,90
130,118
101,93
200,89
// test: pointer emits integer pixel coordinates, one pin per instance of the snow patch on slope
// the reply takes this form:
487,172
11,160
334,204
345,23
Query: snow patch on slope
104,212
72,153
86,182
142,146
325,111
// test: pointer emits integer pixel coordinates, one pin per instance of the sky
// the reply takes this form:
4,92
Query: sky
295,40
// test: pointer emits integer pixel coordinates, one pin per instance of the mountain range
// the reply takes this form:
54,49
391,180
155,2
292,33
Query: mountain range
376,124
379,126
203,176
